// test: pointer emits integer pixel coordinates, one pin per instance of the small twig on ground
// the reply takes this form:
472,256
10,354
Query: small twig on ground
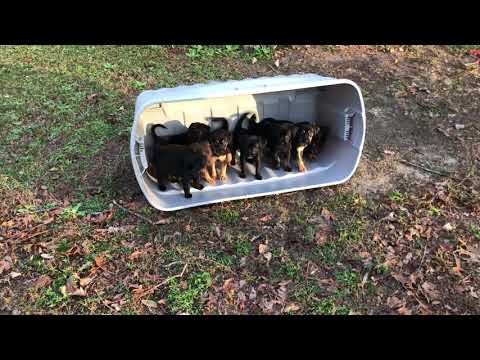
216,263
151,290
138,215
424,168
44,209
172,263
31,236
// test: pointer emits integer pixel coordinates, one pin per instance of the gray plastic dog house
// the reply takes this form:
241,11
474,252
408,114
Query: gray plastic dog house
335,103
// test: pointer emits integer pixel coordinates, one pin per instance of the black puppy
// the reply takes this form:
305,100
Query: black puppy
196,132
178,161
319,139
278,136
221,142
250,144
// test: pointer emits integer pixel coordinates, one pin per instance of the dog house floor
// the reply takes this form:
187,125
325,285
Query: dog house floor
322,169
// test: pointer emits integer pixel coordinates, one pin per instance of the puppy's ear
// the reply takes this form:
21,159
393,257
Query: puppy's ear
155,128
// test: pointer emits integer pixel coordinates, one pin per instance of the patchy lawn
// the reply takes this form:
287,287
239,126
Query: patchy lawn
401,237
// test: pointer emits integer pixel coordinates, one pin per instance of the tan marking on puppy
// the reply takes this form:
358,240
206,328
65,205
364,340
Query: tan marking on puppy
224,161
301,164
205,149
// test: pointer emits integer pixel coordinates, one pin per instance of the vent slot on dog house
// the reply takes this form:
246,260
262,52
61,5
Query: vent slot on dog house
336,104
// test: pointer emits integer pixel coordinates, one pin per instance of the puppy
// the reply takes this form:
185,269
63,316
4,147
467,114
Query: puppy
278,136
196,132
319,139
221,141
206,151
177,161
250,144
304,134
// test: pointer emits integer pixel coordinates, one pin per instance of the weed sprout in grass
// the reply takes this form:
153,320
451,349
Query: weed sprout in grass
475,230
184,300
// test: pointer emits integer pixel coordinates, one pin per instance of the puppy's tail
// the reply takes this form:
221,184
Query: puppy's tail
241,120
223,120
153,129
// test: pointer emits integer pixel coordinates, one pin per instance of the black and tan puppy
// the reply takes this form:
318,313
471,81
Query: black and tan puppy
205,149
196,132
221,141
318,141
177,161
250,144
305,131
278,136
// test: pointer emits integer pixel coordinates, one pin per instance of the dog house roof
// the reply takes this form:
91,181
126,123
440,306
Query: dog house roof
233,87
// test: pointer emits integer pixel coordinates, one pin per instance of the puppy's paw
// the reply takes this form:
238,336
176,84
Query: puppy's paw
302,168
188,196
288,168
242,175
211,181
258,177
223,177
162,187
200,186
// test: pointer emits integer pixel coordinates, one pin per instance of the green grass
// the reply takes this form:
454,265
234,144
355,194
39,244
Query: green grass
398,197
328,306
227,216
186,300
348,279
475,230
72,212
260,52
242,247
66,103
291,270
433,211
63,245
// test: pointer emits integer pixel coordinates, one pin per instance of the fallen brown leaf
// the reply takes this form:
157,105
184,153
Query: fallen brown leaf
266,218
262,248
42,281
320,238
404,311
48,220
430,290
327,215
85,281
7,224
5,265
14,274
292,308
135,255
99,260
150,303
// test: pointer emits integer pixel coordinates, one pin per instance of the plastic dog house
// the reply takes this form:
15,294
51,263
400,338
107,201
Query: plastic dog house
335,103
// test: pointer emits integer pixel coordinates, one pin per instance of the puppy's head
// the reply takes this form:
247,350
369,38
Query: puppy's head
197,132
220,142
305,134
